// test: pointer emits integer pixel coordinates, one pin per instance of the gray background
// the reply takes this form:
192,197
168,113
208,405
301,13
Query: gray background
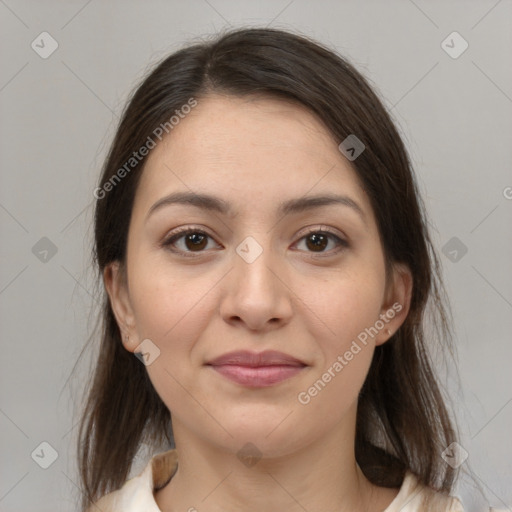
58,116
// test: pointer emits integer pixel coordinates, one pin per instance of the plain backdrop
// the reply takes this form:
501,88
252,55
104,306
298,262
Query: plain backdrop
58,114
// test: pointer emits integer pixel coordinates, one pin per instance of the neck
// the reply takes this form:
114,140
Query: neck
319,476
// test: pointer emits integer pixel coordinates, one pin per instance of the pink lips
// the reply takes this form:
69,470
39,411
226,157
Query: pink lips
257,369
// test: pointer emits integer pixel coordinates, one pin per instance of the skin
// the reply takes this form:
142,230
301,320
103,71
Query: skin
255,152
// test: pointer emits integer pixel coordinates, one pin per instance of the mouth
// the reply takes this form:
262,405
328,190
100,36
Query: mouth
257,370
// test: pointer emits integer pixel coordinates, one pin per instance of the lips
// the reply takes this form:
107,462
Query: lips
256,370
254,359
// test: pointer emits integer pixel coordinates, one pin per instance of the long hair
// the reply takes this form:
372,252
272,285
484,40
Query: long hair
402,420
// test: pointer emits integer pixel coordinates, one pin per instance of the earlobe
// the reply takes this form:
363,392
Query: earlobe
129,343
115,283
397,303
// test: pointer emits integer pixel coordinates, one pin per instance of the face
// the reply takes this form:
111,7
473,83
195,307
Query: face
306,281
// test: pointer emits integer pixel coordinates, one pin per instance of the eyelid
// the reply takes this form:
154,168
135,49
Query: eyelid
322,228
182,231
341,239
178,233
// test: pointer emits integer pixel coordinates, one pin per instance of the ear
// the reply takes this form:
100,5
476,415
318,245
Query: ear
397,302
114,279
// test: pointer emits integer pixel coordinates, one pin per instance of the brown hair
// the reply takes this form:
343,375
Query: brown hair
402,421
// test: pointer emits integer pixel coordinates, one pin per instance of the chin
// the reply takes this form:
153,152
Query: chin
268,439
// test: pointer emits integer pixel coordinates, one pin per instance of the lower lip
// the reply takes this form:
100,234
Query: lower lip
257,377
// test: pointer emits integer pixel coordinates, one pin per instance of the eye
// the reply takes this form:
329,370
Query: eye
194,240
317,240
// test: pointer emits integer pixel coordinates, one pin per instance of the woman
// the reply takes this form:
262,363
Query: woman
266,257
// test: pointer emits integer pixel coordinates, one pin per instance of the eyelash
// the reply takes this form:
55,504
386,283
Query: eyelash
181,232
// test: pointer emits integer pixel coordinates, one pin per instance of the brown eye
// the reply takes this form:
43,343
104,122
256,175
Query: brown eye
195,241
317,241
187,241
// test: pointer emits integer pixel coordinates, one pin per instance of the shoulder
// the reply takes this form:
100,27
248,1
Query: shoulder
107,503
415,497
136,494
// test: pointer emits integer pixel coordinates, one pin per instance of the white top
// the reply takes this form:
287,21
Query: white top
136,494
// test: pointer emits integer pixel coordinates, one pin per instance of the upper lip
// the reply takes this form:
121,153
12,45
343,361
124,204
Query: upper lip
255,359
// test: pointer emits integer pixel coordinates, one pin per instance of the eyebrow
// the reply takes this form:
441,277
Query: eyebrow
291,206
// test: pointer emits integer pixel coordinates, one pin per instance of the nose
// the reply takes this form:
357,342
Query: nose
256,294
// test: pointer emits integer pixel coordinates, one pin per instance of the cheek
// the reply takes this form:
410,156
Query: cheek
169,304
172,310
347,308
342,307
334,391
175,307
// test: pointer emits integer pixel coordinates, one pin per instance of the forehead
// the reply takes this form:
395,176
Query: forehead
261,150
222,126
